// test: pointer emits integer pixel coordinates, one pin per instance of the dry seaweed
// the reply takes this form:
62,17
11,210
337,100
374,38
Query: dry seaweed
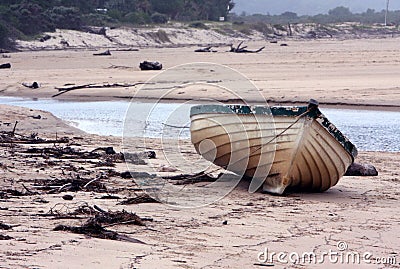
5,226
94,226
140,199
5,237
194,178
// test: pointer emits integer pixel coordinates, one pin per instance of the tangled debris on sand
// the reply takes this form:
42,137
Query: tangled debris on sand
94,226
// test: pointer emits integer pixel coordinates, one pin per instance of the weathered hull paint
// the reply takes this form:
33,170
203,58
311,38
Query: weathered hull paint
285,147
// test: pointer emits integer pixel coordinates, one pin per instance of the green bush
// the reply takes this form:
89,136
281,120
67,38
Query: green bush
199,25
4,40
97,20
65,17
137,18
159,18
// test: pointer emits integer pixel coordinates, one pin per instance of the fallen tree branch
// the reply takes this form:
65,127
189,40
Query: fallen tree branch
63,90
207,49
240,49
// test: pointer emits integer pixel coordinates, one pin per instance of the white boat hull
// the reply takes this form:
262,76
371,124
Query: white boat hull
281,151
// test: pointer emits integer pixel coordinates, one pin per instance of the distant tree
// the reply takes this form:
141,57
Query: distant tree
289,16
159,18
65,17
340,14
4,40
170,8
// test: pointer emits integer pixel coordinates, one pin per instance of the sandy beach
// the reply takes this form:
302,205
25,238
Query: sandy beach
348,72
358,216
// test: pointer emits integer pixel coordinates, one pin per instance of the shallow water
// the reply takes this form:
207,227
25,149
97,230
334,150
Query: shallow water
368,130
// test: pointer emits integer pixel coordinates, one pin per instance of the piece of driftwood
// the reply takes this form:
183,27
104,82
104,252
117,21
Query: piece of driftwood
14,138
207,49
5,66
363,170
140,199
191,179
33,85
66,89
240,49
94,226
127,49
146,65
105,53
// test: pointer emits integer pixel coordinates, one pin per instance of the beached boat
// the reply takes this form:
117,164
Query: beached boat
293,147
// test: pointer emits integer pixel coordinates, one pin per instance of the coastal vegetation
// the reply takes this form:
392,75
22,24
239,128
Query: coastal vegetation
24,19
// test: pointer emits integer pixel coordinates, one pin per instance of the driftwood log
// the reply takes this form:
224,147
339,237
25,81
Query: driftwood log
240,49
33,85
5,66
66,89
363,170
105,53
207,49
150,65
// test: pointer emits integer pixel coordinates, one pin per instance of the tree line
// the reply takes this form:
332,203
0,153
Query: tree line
336,15
22,18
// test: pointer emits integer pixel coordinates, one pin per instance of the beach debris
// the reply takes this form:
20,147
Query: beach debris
363,170
132,174
5,194
240,49
138,158
164,168
113,66
95,30
207,49
105,53
139,199
64,43
284,45
5,237
93,227
15,127
12,137
146,65
225,222
45,38
34,85
109,197
127,49
37,117
5,66
107,150
68,87
5,226
70,211
194,178
40,200
68,197
72,184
